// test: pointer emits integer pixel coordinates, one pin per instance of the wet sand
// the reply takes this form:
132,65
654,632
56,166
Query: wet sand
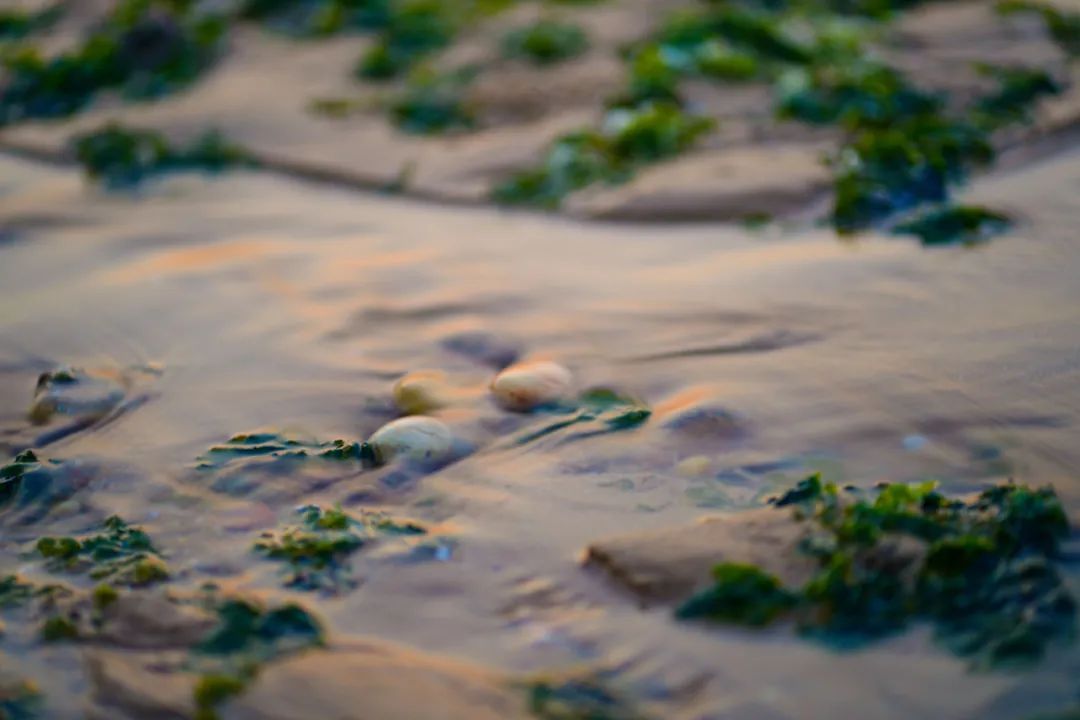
269,303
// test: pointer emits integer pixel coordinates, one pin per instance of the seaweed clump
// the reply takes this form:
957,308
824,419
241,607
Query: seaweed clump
16,24
628,139
315,552
434,103
1018,89
985,577
595,412
19,699
275,445
951,224
247,636
573,698
411,31
122,554
144,49
31,485
122,158
1063,25
545,42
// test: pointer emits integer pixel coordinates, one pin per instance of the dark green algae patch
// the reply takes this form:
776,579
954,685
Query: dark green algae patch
904,148
19,699
31,485
123,158
595,412
275,445
986,576
121,554
315,551
248,635
144,49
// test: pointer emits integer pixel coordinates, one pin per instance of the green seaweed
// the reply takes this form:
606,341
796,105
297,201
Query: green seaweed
588,697
596,411
122,158
31,485
122,554
144,49
628,139
247,636
952,224
742,594
434,103
857,94
211,690
413,29
1063,25
58,629
316,551
545,42
19,699
275,445
882,171
1018,89
316,18
16,24
14,591
986,580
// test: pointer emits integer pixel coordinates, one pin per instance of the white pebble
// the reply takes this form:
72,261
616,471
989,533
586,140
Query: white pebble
526,386
415,438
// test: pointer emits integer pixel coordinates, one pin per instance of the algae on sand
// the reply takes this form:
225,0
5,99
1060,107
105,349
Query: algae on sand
985,574
316,551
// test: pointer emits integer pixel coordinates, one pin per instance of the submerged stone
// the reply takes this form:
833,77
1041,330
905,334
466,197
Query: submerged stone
417,439
75,392
392,683
421,392
530,385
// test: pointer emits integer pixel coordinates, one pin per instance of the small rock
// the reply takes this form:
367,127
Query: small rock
415,438
421,392
527,386
705,422
368,681
668,565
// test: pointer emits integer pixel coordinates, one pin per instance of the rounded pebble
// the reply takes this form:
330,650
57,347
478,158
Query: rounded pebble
530,385
421,392
695,466
415,438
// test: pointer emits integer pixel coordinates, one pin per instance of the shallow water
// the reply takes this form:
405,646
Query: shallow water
258,302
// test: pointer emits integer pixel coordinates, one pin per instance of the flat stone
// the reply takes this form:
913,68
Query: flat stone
139,686
667,565
369,681
146,620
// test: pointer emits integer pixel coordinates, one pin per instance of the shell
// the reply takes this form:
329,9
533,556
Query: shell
414,438
421,392
526,386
